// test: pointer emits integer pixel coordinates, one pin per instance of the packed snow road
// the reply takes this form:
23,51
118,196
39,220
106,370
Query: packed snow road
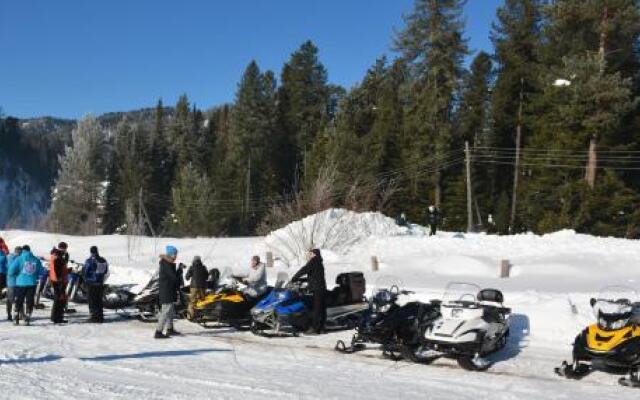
119,359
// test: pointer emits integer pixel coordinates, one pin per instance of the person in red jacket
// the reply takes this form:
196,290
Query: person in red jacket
58,273
3,247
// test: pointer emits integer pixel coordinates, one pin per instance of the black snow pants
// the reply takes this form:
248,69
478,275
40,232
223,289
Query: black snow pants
95,293
319,312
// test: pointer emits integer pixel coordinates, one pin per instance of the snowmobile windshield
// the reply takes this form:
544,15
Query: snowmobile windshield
386,291
614,306
460,293
226,278
281,279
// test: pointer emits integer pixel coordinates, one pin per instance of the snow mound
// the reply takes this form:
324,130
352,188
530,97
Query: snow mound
334,229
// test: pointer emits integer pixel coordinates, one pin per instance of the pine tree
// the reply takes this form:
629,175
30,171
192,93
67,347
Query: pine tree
79,190
303,103
162,166
191,209
433,47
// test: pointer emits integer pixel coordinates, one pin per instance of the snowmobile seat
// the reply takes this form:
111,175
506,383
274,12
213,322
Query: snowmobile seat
491,295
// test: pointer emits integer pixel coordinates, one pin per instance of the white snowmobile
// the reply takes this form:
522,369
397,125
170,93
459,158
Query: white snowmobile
473,324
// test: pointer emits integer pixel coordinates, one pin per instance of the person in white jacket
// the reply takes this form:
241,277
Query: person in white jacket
256,280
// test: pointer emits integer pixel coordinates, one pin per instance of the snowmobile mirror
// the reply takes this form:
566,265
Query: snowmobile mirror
592,302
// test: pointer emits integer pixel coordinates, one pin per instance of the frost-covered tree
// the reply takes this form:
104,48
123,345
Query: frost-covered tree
79,190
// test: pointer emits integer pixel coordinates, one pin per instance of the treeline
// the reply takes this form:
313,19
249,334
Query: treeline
563,79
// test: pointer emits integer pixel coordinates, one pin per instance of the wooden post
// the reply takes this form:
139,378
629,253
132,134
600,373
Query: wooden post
469,208
505,268
269,259
374,263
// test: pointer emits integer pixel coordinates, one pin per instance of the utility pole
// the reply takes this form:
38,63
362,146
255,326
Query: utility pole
590,175
516,169
146,215
469,208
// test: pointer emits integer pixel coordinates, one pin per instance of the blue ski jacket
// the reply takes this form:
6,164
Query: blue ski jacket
3,263
26,269
95,270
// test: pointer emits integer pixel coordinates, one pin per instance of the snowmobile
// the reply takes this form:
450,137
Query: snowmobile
613,342
227,306
473,324
396,329
147,301
287,310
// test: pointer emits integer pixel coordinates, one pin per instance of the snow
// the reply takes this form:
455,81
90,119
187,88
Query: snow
119,359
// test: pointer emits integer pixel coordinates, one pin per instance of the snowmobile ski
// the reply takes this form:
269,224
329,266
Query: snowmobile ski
573,371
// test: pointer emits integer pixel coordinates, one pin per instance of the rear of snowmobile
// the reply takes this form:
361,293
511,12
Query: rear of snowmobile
473,324
612,343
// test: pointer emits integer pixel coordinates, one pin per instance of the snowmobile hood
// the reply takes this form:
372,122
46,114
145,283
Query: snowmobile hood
210,299
599,340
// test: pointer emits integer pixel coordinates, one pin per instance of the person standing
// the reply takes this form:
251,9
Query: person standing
25,269
11,282
3,270
433,220
314,271
198,274
58,276
256,280
94,273
169,286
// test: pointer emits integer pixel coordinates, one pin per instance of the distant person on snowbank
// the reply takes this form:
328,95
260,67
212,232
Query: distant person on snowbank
433,220
198,275
402,220
25,269
11,282
314,271
94,273
58,275
256,279
169,286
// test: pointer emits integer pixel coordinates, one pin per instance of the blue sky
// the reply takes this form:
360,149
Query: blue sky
72,57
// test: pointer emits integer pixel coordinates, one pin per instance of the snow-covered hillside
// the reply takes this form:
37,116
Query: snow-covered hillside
120,360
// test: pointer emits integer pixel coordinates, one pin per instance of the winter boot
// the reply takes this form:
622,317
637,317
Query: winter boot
173,332
160,335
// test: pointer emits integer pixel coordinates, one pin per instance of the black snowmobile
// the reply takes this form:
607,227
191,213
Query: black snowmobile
396,329
147,301
613,342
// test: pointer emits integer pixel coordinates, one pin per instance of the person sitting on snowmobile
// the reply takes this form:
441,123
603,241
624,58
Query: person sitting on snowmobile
25,270
169,286
11,282
314,271
94,273
198,275
58,275
256,280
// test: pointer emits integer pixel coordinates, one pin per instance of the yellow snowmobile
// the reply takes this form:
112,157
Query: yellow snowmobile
613,342
226,306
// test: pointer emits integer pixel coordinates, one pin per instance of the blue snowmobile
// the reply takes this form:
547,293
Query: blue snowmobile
288,310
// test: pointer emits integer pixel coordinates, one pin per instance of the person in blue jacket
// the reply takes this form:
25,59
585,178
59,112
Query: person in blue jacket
3,270
26,269
94,273
11,282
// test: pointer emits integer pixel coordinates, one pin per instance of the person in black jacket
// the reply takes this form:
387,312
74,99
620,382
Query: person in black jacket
198,274
169,286
314,271
433,219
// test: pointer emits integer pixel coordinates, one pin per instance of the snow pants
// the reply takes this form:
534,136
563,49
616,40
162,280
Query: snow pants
11,298
95,293
165,318
195,295
59,302
24,294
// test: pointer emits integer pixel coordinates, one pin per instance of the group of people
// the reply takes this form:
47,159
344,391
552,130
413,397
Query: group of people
170,283
433,220
21,271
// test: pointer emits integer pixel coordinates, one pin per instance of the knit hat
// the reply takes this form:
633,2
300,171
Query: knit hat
93,250
197,260
171,251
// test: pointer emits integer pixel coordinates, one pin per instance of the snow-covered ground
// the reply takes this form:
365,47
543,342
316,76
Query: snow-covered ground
119,359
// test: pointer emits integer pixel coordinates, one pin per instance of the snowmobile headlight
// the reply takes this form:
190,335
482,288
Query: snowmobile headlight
619,324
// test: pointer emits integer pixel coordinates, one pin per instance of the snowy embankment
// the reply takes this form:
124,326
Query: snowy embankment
121,360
